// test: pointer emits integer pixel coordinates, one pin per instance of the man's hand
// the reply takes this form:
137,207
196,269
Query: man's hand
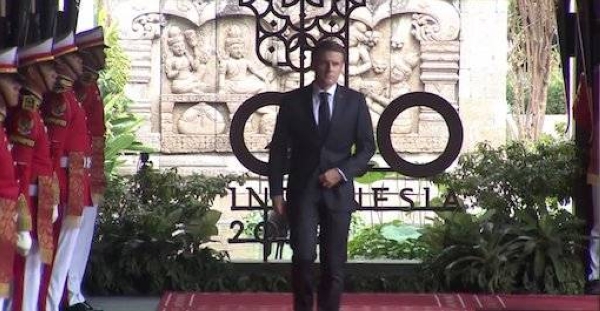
330,178
54,213
279,204
24,242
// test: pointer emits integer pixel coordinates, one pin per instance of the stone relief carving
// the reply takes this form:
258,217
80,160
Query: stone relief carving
359,56
237,73
210,62
182,66
201,118
147,26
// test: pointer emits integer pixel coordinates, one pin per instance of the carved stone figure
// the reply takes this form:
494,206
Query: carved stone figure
399,78
237,74
359,58
200,56
180,67
201,118
262,121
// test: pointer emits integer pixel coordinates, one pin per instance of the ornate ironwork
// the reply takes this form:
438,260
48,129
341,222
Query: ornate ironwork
287,29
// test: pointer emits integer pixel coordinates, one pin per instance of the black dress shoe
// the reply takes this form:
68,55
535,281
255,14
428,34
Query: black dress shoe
592,287
82,306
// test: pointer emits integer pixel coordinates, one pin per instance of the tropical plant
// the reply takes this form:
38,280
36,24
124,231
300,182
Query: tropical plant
518,176
392,240
152,232
121,124
525,241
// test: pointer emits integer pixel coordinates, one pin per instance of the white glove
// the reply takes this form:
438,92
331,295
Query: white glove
54,213
24,242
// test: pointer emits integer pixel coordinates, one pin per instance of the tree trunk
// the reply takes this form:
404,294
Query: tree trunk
532,30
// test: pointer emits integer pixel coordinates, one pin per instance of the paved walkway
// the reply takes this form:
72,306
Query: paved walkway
125,303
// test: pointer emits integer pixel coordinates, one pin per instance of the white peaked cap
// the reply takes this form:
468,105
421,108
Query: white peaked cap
9,63
90,38
64,45
35,53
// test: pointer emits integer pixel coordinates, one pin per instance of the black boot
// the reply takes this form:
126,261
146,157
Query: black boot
82,306
592,287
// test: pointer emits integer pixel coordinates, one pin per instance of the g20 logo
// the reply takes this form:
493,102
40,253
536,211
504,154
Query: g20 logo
384,130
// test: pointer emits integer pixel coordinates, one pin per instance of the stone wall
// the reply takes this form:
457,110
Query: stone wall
194,63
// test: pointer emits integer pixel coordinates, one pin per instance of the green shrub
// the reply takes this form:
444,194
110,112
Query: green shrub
525,241
392,240
152,231
121,123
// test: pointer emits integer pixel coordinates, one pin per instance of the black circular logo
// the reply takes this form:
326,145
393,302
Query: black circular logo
384,128
441,106
236,132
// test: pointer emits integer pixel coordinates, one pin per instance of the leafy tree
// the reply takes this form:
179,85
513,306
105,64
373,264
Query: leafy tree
121,124
532,33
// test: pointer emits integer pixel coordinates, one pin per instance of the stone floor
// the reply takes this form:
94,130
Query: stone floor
125,303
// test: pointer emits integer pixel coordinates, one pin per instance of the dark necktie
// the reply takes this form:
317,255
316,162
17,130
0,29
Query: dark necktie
323,114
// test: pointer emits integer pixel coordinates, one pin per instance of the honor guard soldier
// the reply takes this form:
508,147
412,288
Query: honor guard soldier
31,152
91,48
9,188
70,145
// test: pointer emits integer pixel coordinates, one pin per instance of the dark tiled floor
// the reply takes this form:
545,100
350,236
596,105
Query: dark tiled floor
125,303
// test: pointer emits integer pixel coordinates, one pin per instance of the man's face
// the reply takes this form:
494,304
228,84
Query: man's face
9,88
48,73
100,56
327,67
70,65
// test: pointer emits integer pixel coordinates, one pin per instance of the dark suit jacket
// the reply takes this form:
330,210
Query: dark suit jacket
348,146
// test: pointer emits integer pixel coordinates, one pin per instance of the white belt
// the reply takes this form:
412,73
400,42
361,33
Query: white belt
33,190
87,162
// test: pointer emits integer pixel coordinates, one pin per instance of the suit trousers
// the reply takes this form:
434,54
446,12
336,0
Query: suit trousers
312,223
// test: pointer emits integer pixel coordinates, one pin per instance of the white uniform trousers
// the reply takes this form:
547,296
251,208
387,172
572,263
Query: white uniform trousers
3,302
81,256
594,249
30,278
67,241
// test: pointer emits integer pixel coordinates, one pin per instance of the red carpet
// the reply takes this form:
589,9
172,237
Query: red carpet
380,302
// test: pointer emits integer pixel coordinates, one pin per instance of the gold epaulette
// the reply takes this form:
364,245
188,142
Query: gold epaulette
30,102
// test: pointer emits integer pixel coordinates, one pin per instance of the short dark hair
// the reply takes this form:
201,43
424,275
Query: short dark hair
327,45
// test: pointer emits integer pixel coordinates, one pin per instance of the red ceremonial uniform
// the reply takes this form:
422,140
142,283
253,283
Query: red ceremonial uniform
9,188
70,145
89,95
9,191
31,153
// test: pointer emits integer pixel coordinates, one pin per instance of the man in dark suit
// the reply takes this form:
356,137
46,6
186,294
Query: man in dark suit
326,131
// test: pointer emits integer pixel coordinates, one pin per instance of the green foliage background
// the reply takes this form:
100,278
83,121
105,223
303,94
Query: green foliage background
523,240
152,234
121,124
